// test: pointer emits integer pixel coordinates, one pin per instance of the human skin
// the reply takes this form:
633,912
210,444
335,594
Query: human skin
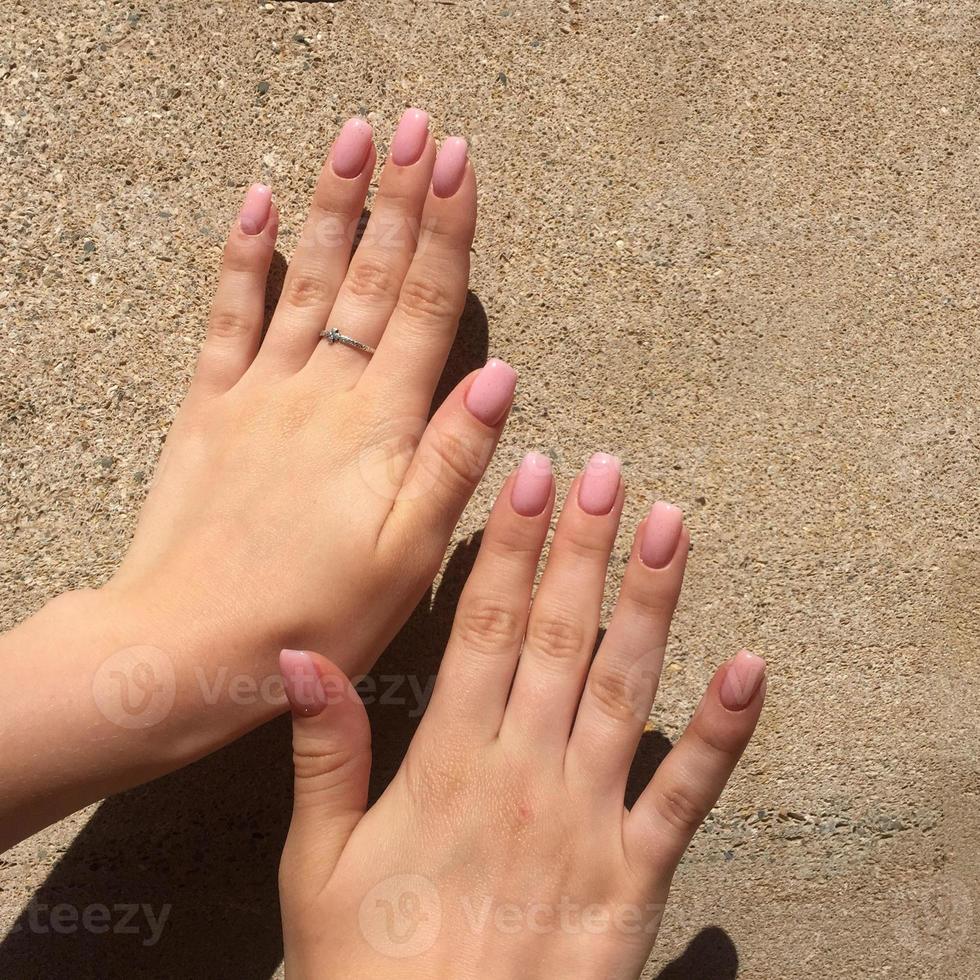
303,497
502,848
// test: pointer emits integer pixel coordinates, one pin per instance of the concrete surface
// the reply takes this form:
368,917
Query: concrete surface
735,243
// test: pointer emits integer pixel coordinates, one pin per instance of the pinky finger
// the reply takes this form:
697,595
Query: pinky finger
689,781
235,324
452,456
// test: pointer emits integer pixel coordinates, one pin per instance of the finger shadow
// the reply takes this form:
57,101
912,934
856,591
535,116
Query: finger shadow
651,751
273,288
469,350
710,955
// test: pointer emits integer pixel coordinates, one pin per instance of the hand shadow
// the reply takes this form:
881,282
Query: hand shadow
177,878
710,955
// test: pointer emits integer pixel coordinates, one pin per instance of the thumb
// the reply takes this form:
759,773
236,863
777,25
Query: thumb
332,763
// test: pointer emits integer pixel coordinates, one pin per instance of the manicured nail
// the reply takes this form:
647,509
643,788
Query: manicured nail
410,136
660,535
450,166
742,679
302,683
491,392
351,148
532,485
255,209
600,484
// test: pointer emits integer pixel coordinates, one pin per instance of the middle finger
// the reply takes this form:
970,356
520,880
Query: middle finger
370,290
564,618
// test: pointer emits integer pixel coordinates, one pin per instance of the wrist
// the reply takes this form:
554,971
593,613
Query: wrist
219,673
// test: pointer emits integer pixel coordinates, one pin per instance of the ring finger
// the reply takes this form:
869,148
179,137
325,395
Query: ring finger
623,679
320,262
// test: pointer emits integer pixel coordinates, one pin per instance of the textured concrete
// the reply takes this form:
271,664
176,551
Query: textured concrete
735,243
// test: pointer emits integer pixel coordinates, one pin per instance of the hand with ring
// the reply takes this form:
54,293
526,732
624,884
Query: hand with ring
304,498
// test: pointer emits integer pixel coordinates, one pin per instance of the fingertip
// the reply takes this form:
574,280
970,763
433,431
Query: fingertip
312,682
600,484
302,683
742,681
411,137
450,167
661,534
532,486
491,392
352,148
255,209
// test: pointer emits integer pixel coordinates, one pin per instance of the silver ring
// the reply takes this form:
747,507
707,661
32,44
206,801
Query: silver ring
334,336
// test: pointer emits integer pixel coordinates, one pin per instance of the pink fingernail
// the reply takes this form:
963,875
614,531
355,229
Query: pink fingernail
255,209
532,485
351,148
742,679
490,394
302,683
410,136
600,484
661,534
450,166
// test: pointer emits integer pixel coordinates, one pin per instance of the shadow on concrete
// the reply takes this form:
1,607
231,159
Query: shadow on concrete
710,955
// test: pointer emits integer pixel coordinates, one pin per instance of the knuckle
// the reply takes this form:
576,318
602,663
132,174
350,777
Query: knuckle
236,260
305,291
615,693
510,541
327,228
486,623
556,637
584,546
322,767
427,300
283,419
715,742
680,808
461,463
369,279
227,324
397,228
242,254
654,600
446,778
